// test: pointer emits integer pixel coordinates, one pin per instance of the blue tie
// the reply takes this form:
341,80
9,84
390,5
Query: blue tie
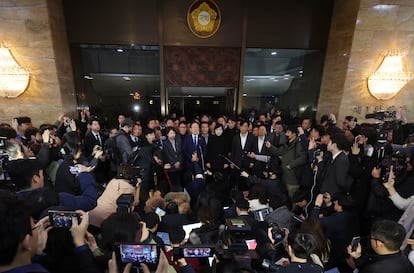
195,142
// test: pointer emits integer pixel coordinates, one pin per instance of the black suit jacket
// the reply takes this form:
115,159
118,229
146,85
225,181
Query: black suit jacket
335,175
90,142
170,155
216,145
239,154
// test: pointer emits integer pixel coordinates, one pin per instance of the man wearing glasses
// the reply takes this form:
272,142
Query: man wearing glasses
385,239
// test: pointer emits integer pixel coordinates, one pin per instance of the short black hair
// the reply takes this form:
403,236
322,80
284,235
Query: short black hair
95,118
151,219
242,204
302,244
14,225
31,131
351,118
242,122
320,129
148,131
22,171
390,233
300,195
341,141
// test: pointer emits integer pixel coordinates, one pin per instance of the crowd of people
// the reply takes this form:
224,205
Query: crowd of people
269,193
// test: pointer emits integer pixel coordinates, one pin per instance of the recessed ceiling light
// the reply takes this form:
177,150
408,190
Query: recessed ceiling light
272,78
275,80
274,53
87,77
126,78
244,95
300,71
120,50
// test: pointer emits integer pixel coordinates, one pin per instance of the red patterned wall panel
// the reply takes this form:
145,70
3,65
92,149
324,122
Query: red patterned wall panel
201,66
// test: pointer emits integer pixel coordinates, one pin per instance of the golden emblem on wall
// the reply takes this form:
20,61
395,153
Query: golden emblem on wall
203,18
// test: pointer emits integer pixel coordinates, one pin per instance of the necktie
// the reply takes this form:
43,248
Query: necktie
98,139
195,142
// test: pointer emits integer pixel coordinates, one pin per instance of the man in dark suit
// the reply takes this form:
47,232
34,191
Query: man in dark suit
333,173
242,145
94,141
194,150
229,132
259,148
93,138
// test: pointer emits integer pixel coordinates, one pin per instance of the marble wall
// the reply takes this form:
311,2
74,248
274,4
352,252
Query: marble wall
381,26
34,32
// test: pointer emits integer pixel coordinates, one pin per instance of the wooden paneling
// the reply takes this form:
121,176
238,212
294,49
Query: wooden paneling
201,66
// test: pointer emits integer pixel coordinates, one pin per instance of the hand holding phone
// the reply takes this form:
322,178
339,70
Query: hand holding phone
354,243
63,219
136,254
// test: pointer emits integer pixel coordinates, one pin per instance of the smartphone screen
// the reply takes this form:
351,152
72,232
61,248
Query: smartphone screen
62,218
354,243
237,222
197,252
160,212
251,244
165,237
137,253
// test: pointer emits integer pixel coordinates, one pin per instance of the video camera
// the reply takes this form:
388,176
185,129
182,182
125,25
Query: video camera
397,160
4,157
277,234
124,203
381,115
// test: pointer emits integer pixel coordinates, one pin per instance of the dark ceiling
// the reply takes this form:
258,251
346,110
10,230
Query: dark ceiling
99,29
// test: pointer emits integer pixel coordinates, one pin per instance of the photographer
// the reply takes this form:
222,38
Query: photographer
124,183
339,227
362,159
406,204
300,247
379,204
67,179
127,228
21,238
27,175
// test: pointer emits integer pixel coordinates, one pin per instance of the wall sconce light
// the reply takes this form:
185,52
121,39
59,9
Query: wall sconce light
13,78
389,78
